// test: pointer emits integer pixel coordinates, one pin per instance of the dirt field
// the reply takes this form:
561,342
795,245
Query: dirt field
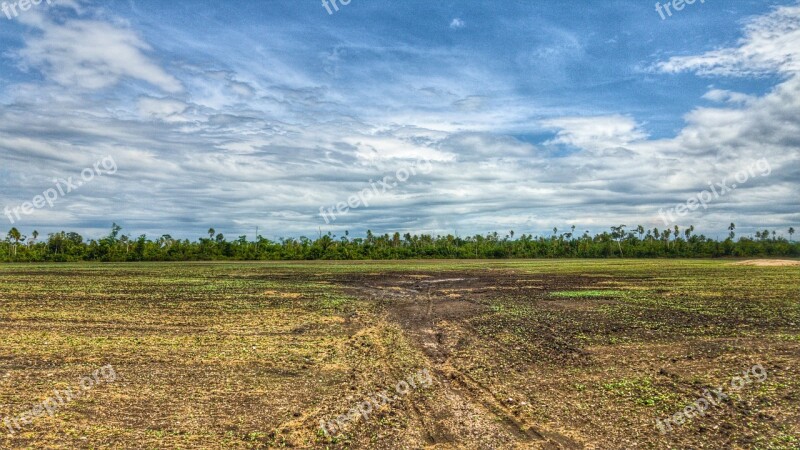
769,263
543,354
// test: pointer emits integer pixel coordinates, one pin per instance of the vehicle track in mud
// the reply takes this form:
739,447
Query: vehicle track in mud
435,313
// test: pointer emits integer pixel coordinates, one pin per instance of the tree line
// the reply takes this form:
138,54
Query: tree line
619,241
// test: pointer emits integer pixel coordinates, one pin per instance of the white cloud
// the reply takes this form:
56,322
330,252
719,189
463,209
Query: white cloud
169,110
595,133
245,145
771,44
457,24
90,54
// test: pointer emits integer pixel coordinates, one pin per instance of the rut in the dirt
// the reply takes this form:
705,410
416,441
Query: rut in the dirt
463,410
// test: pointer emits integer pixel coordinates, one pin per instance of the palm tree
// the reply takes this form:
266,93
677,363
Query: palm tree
165,241
732,228
676,233
618,233
34,235
115,229
791,232
211,233
688,232
16,236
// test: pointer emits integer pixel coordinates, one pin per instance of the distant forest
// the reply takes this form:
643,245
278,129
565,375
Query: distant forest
619,242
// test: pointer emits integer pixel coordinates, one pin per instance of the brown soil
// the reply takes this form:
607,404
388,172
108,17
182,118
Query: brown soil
529,380
768,263
254,357
439,315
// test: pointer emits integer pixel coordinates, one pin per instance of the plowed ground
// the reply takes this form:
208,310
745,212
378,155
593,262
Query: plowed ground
539,355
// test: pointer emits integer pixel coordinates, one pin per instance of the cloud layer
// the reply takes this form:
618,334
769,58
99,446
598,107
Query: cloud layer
278,113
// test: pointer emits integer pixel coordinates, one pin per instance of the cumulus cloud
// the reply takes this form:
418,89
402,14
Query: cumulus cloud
770,44
751,125
595,133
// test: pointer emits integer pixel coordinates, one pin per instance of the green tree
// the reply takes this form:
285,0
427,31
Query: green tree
16,236
115,229
64,246
618,233
127,241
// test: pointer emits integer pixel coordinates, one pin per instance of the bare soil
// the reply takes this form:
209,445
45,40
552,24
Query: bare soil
523,355
768,263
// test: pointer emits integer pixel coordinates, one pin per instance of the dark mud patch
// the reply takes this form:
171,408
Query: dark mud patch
443,315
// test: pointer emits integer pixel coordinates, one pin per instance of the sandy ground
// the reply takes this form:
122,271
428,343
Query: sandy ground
768,263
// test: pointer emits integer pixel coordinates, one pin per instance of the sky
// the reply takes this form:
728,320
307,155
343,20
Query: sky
445,117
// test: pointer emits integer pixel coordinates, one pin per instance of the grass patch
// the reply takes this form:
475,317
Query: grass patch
588,294
642,392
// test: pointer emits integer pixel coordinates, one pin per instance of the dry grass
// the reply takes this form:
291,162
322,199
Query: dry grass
544,354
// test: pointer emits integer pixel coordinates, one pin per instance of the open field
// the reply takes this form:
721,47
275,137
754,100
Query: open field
521,354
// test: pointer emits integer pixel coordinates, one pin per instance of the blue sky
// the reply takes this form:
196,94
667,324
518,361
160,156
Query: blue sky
532,114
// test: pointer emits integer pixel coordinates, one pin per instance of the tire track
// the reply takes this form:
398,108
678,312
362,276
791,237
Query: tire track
423,316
